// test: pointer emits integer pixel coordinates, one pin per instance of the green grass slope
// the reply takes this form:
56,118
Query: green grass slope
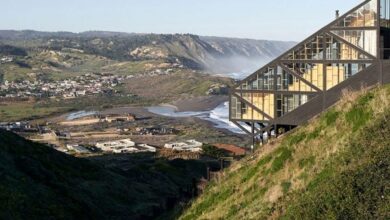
37,182
335,167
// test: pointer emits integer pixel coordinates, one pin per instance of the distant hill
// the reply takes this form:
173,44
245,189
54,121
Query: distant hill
335,167
31,34
37,182
216,54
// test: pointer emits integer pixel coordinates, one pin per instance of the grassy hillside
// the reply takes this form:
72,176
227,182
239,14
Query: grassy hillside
335,167
37,182
182,83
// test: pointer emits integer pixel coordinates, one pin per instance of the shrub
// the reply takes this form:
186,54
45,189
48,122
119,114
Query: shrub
213,151
296,138
360,113
310,161
357,117
364,100
330,117
284,154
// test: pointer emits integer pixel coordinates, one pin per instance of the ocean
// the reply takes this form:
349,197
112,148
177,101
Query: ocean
218,116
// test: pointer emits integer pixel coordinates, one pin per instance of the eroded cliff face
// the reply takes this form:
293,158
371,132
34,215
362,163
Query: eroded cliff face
215,54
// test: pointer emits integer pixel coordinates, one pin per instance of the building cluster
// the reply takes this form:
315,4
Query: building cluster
189,145
27,127
155,72
117,118
124,146
88,84
156,131
6,59
20,127
115,146
60,135
77,148
97,118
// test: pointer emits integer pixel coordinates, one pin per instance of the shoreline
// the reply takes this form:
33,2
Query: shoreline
204,112
191,105
197,104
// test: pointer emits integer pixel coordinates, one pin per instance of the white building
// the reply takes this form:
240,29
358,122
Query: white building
77,148
190,145
125,146
146,148
81,93
120,146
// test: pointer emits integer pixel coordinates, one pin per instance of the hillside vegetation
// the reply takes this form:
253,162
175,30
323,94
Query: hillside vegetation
37,182
194,52
337,166
170,66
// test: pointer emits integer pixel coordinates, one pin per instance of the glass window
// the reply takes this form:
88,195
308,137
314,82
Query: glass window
337,50
385,13
235,108
244,108
311,50
338,72
262,101
262,81
364,39
365,16
287,103
289,82
312,72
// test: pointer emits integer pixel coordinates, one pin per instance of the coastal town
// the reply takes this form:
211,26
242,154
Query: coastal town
79,133
85,133
67,141
88,84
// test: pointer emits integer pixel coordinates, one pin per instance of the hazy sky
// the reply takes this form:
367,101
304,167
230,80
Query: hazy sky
258,19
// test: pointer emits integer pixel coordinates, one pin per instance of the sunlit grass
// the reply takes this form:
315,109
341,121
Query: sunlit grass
26,110
310,161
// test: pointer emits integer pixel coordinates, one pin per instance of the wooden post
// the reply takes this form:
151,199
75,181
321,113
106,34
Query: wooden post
253,137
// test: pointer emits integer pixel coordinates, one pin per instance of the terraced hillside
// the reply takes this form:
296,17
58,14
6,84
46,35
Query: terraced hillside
335,167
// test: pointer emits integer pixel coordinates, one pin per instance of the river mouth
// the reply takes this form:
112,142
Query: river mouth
219,116
170,111
79,114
